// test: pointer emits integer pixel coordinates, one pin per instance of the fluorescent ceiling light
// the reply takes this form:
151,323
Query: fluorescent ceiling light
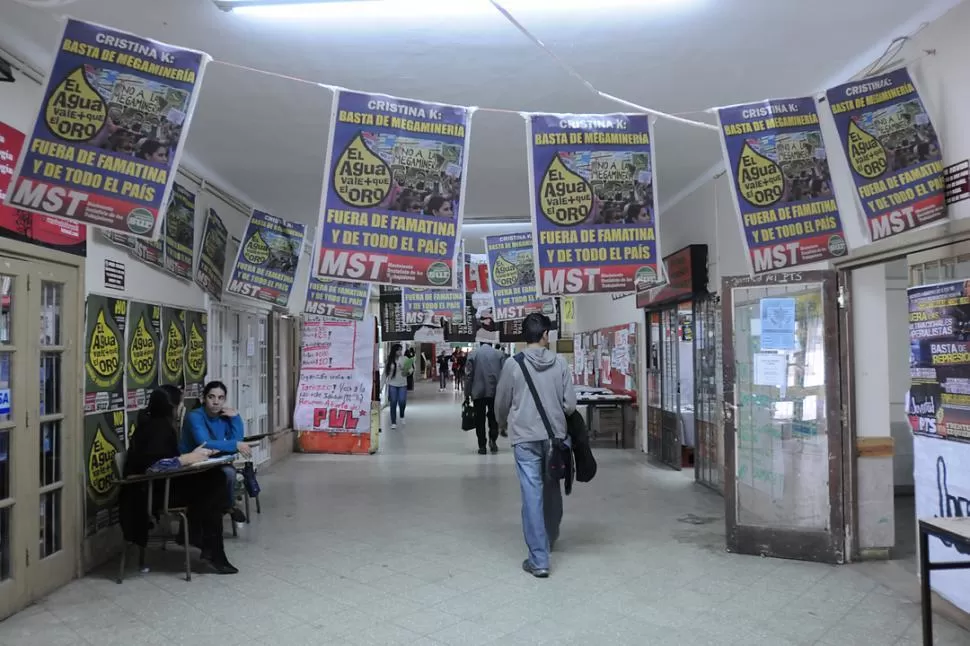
330,9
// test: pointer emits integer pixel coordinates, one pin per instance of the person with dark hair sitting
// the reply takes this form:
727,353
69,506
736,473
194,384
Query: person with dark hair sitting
154,448
217,427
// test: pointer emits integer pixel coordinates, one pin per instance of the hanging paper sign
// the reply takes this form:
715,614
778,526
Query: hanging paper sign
893,152
173,347
196,334
336,376
593,202
938,403
476,273
394,191
142,356
104,355
780,178
777,323
512,273
105,145
180,232
337,300
268,257
212,255
45,230
104,438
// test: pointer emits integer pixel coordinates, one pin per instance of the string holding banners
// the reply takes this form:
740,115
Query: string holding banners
511,271
106,142
268,258
781,183
594,203
893,151
394,191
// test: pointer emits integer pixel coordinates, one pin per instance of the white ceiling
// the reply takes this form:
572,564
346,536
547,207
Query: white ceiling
267,135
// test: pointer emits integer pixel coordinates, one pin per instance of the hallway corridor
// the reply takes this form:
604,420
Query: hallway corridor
422,545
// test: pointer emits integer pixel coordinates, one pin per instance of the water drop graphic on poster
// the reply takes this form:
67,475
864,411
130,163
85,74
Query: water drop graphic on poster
866,153
565,198
104,364
760,180
142,353
361,178
256,250
505,273
75,111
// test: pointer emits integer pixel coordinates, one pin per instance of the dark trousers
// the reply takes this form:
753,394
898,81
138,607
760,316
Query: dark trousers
410,382
485,411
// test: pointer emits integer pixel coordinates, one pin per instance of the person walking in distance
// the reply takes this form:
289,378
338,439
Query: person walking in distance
483,367
395,377
516,409
409,367
444,365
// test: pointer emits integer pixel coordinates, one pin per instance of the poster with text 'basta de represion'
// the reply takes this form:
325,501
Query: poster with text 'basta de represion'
394,191
893,151
594,202
110,130
779,174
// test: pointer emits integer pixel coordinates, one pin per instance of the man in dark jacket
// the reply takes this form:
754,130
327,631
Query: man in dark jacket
483,368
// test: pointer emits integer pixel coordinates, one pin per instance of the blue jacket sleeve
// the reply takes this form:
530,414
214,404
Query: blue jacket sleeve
200,434
238,430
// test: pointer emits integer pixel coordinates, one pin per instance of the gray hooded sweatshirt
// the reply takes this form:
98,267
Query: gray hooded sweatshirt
515,408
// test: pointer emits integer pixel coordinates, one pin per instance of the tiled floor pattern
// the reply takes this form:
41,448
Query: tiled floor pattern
421,545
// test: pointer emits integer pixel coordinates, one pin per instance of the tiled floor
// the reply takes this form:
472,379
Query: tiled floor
422,545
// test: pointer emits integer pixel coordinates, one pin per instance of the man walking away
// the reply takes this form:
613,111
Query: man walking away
444,365
483,367
516,409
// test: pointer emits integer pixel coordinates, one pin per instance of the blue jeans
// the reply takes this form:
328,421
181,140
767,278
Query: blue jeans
541,501
398,396
230,472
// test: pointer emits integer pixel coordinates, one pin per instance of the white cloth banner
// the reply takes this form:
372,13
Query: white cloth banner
943,490
336,376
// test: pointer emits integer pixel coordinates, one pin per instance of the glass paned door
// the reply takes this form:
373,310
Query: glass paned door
783,432
707,397
670,451
39,340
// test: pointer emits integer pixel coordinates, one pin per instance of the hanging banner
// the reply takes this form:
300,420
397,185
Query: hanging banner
46,231
782,187
336,376
104,336
476,273
151,252
142,355
267,261
337,300
512,273
893,152
119,240
433,307
212,255
104,437
173,347
180,232
109,135
196,325
394,191
593,202
938,401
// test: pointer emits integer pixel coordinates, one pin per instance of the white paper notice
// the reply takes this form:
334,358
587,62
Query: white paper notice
771,370
755,327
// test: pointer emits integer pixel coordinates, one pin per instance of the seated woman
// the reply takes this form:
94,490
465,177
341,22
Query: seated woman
154,448
220,428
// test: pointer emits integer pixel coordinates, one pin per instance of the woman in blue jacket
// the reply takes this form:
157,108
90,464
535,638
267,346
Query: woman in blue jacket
219,428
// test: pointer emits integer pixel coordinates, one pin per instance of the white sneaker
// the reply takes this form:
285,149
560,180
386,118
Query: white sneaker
393,426
403,422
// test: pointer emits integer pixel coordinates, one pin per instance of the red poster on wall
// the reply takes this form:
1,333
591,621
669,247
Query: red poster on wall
44,230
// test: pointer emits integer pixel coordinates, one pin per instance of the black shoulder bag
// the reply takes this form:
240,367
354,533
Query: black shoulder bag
558,463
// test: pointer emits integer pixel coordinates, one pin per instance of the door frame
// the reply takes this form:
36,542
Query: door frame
826,547
72,499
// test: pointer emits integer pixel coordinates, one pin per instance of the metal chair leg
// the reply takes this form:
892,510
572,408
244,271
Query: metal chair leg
258,510
121,566
185,537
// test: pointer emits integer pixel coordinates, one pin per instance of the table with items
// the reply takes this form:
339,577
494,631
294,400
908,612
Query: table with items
954,531
592,398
